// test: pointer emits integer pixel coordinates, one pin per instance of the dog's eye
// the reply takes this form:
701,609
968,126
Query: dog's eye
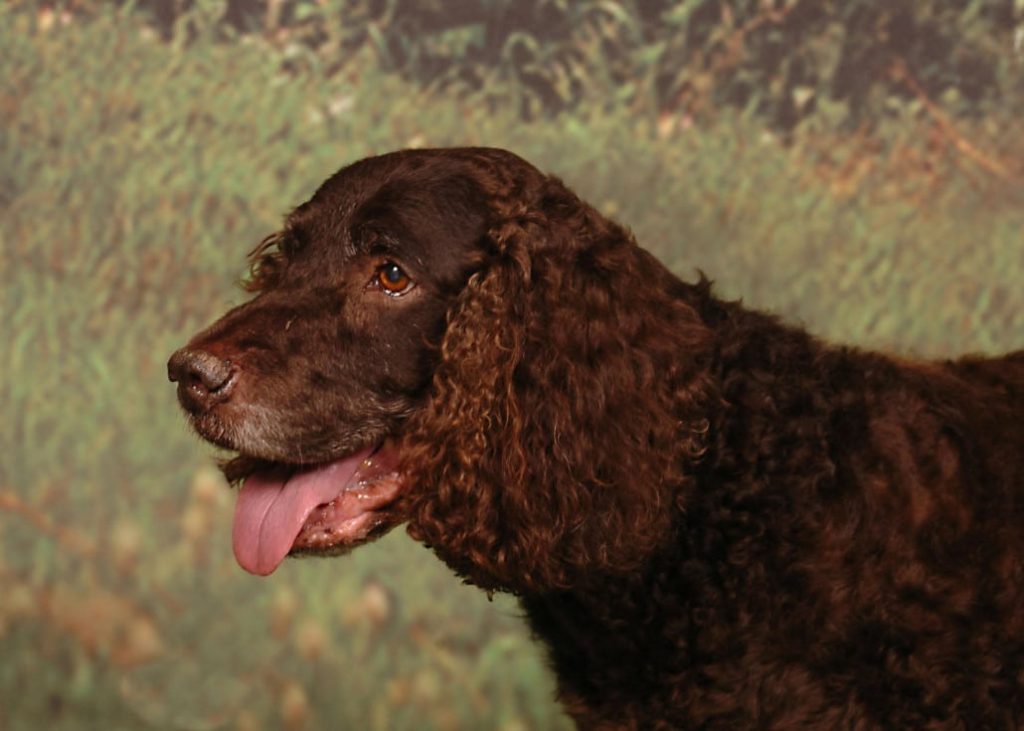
392,278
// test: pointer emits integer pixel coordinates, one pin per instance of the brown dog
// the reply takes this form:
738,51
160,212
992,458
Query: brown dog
712,519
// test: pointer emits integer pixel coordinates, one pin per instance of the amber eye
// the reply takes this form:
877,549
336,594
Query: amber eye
392,278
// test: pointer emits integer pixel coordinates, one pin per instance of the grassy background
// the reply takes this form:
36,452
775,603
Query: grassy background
134,176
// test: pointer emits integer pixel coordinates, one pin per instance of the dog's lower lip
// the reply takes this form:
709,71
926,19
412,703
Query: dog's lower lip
319,534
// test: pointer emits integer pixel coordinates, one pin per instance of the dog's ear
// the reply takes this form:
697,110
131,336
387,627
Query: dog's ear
566,410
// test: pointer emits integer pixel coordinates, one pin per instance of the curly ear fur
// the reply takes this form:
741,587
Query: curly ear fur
563,421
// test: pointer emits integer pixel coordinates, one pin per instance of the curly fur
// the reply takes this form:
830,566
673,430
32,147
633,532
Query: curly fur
712,519
583,396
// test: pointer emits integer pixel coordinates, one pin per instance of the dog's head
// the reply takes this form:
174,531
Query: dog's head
441,316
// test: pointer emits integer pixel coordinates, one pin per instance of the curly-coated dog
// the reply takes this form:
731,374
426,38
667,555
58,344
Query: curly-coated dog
712,519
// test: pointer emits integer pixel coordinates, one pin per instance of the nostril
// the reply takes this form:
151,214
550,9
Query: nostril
200,375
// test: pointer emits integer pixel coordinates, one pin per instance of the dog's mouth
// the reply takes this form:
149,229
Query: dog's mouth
320,509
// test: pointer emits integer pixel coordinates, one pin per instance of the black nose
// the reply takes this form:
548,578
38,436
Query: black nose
203,379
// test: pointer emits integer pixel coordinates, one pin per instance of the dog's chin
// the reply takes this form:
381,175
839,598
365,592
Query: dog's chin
253,451
325,508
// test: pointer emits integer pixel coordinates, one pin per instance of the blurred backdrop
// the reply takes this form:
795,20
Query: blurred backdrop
853,165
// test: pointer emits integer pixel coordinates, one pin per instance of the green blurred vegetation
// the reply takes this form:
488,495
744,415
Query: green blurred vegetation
857,61
136,172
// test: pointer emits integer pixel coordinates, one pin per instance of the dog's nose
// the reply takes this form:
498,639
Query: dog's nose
203,379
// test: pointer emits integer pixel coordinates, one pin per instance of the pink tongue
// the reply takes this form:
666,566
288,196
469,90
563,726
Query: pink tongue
272,507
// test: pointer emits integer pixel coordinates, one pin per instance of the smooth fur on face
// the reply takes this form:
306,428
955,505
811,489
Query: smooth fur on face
712,519
337,346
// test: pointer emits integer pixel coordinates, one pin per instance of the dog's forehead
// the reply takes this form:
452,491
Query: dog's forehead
434,170
392,184
431,213
359,180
